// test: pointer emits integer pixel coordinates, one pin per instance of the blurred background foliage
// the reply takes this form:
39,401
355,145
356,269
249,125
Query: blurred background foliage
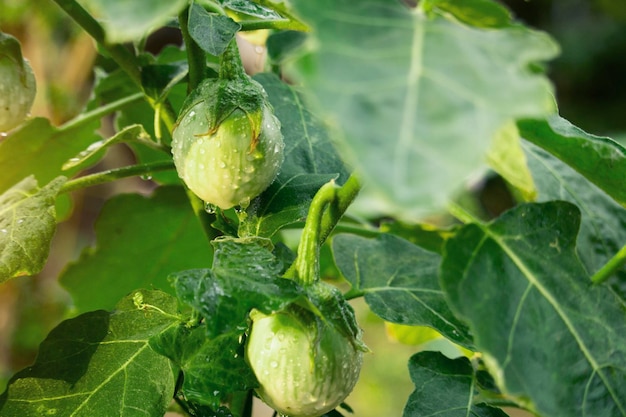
590,82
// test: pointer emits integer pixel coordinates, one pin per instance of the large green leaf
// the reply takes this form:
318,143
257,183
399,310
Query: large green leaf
39,149
100,364
245,275
399,281
603,221
434,374
125,21
27,224
140,241
601,160
554,342
418,99
213,367
310,162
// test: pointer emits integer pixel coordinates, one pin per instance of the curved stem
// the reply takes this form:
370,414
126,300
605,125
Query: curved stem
115,174
343,198
100,112
305,269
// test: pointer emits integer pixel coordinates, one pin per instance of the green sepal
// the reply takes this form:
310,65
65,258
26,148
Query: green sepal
10,48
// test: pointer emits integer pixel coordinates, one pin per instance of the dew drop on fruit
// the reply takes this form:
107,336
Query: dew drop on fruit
210,208
4,231
222,164
274,364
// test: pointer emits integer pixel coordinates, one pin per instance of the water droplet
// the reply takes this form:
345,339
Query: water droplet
202,151
259,49
201,166
218,143
146,177
3,134
192,113
222,164
210,208
274,364
4,231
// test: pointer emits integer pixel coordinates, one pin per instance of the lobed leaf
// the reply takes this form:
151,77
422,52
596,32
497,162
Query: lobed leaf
553,341
99,364
424,94
399,281
131,252
599,159
213,367
603,221
434,374
245,275
27,225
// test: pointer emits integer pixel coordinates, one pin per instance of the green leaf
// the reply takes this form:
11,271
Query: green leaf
27,224
245,275
99,364
39,149
601,160
211,32
553,341
424,235
603,221
434,374
251,9
310,162
399,281
125,21
140,241
479,13
212,367
422,94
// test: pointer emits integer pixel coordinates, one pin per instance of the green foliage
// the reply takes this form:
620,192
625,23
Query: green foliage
131,252
405,88
100,363
27,224
521,287
412,103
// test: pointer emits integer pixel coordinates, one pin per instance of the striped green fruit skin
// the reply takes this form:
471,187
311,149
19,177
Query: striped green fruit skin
305,368
17,91
228,167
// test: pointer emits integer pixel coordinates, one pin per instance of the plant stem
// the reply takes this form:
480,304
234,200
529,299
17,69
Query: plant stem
195,55
614,264
343,198
100,112
115,174
305,269
124,58
231,67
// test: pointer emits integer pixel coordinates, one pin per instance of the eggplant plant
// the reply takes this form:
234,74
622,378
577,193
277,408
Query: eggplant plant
344,170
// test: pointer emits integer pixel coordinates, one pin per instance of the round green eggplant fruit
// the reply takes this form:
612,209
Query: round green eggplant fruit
304,366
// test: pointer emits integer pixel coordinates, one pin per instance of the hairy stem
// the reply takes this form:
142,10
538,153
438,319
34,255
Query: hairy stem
115,174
